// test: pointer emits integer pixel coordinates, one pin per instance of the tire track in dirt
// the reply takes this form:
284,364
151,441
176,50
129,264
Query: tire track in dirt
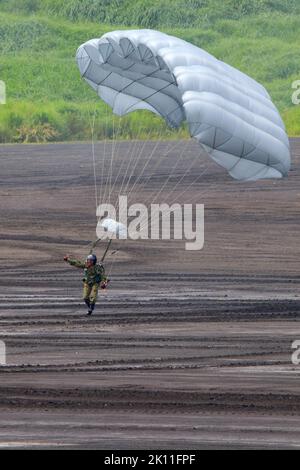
185,350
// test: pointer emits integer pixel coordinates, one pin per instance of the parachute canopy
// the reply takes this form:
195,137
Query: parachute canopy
229,113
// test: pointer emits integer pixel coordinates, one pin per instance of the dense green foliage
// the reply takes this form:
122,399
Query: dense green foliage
46,99
154,13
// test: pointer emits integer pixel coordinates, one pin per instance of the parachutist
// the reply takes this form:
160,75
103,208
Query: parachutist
94,276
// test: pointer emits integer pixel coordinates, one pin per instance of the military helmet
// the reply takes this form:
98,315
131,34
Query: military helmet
92,258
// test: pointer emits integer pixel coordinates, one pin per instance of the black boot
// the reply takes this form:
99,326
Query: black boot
88,304
91,309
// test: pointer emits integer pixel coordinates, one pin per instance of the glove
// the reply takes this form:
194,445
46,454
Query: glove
104,284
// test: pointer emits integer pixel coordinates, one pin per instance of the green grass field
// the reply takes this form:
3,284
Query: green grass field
47,100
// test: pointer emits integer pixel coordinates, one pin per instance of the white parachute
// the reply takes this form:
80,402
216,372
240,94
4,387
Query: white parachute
229,113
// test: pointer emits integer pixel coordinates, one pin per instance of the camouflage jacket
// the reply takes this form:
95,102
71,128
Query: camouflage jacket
93,275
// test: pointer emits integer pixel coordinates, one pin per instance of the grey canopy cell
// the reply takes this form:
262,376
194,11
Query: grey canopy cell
229,113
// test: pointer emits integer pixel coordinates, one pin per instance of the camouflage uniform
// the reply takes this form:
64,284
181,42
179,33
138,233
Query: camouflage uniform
93,276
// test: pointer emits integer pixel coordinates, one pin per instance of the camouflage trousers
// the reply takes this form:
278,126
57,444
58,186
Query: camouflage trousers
90,292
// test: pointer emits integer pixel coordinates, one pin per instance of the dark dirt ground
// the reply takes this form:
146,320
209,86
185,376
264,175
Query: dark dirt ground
187,350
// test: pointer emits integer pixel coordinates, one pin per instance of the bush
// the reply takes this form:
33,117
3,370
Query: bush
168,13
41,133
46,99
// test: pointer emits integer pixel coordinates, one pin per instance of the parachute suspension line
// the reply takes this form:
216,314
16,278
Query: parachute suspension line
114,147
169,176
208,165
173,189
158,162
130,160
116,130
139,176
92,128
106,176
110,169
112,263
143,225
134,166
211,186
103,157
190,185
94,244
133,163
131,151
112,151
94,160
92,118
129,189
196,180
123,160
112,187
106,250
185,174
147,163
201,194
125,189
172,148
